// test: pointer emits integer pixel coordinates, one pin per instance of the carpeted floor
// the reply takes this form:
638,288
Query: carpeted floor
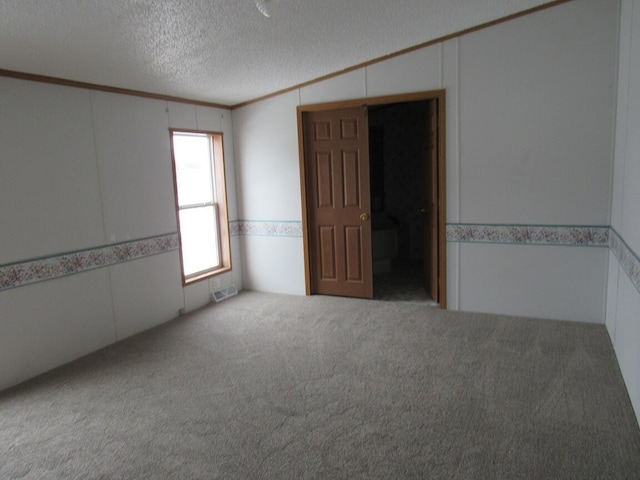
276,387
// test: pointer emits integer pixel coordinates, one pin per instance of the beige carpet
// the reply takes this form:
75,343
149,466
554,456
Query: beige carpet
278,387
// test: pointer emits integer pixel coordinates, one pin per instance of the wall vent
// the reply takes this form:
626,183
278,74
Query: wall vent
224,292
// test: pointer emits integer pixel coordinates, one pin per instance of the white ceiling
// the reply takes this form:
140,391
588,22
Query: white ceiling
222,51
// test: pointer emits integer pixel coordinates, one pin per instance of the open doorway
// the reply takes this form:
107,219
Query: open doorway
399,164
373,194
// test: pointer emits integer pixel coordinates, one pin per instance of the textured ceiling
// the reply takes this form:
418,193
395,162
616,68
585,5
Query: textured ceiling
222,51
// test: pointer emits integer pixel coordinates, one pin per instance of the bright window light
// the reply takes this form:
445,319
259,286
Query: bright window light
199,183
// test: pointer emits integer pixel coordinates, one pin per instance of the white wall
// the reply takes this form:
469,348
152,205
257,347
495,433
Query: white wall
623,298
269,191
81,170
529,141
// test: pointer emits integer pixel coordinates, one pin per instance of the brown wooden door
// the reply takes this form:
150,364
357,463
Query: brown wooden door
336,149
431,228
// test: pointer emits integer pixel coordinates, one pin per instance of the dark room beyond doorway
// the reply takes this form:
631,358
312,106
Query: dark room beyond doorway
398,156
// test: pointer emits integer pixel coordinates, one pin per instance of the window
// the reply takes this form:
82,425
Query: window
201,203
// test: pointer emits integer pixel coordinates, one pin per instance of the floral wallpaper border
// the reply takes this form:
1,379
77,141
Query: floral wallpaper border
574,235
281,228
459,232
628,259
56,266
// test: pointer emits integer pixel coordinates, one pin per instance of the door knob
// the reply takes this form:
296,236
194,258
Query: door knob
364,217
422,210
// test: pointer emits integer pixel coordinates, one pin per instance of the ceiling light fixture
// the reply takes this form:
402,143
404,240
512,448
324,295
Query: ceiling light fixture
266,7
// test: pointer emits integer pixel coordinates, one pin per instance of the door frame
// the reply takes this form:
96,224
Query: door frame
437,95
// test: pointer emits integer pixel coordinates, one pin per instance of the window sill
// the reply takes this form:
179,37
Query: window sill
205,275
